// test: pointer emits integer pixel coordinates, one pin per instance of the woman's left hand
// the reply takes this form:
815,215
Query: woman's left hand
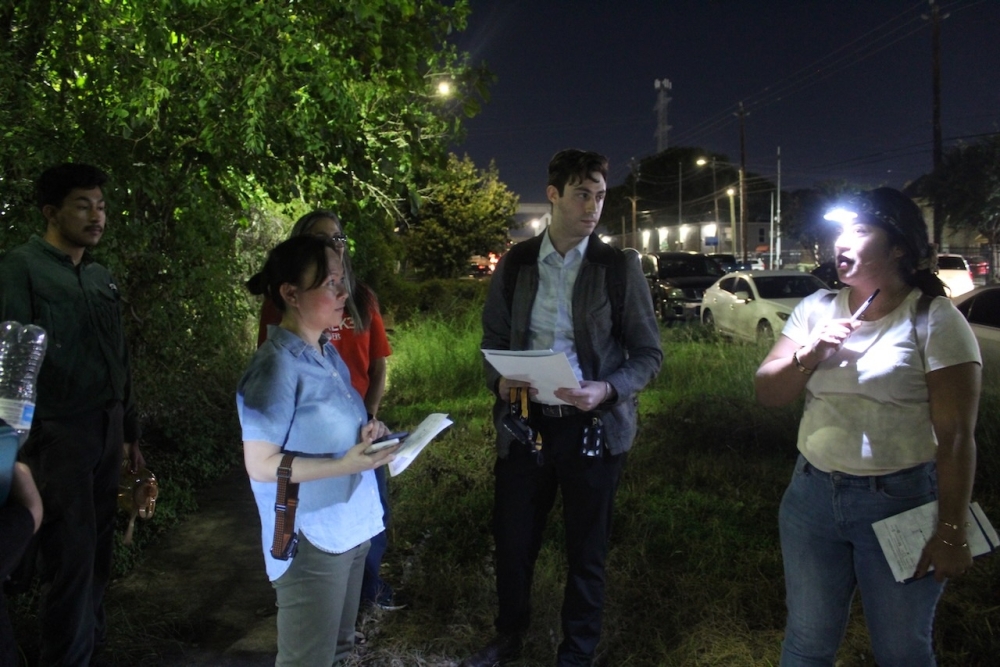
950,559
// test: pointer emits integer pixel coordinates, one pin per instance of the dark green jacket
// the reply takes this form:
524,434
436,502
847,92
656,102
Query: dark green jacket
86,362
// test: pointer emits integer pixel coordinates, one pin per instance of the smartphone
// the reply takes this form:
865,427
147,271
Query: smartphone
386,441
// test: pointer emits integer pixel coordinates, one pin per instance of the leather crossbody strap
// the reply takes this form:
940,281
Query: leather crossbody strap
284,510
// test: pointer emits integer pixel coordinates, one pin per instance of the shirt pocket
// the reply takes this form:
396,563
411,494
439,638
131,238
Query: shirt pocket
106,309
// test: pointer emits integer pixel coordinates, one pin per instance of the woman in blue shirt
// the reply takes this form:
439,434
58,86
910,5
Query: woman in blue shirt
296,396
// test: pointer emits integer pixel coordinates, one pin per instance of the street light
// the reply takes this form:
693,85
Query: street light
742,190
701,162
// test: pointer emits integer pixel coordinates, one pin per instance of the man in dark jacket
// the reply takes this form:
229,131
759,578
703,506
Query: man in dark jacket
84,414
571,293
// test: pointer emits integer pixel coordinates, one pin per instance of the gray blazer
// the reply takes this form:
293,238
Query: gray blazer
628,364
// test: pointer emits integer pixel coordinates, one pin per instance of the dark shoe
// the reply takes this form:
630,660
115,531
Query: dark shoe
394,601
502,649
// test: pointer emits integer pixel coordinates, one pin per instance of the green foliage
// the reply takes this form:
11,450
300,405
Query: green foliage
402,300
465,212
436,358
219,121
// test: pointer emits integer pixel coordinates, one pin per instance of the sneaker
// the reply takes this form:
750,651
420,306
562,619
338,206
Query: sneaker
502,649
393,601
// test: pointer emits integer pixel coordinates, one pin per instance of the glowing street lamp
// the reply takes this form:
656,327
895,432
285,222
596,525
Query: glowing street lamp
701,162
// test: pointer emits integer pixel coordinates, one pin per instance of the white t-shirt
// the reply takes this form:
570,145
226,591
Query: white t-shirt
867,409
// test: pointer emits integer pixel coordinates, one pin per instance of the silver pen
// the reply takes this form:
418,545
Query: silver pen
861,311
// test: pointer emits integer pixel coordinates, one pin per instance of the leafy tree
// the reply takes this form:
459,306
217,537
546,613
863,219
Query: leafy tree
213,116
465,212
967,186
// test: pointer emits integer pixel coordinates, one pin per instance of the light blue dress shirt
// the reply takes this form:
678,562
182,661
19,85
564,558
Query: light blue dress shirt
303,401
552,312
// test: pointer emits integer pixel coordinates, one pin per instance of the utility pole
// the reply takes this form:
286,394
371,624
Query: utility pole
743,189
662,100
635,177
776,235
715,193
680,191
935,19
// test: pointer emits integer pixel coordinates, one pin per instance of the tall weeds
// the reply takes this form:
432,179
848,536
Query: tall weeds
694,573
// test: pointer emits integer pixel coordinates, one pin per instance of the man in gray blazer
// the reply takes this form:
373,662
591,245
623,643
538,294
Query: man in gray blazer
568,291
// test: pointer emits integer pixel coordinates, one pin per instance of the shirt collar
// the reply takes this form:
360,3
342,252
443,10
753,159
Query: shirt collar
286,339
58,254
547,247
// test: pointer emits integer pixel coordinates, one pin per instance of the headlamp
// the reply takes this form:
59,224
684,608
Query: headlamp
841,215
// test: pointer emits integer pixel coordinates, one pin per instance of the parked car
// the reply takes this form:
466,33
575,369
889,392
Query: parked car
980,266
729,263
726,261
954,272
754,305
827,272
981,308
677,281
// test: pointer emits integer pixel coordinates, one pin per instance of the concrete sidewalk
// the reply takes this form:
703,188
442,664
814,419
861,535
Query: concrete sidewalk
201,596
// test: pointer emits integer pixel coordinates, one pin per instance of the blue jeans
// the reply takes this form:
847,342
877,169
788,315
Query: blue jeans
829,549
373,588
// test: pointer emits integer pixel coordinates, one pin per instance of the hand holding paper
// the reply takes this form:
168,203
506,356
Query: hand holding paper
544,370
417,440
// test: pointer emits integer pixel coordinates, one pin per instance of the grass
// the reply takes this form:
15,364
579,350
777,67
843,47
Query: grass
694,574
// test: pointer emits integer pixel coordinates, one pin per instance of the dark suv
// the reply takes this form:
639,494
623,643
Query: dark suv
677,282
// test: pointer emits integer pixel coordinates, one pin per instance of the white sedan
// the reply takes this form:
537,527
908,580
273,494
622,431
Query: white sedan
754,305
982,308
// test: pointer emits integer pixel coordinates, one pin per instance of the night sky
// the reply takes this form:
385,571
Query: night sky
842,86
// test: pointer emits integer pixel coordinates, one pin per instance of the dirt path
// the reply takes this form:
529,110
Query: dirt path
201,596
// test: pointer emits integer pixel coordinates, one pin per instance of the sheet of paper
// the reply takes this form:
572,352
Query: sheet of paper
417,440
902,537
544,369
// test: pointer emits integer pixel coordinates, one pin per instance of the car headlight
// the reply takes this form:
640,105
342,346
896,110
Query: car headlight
783,316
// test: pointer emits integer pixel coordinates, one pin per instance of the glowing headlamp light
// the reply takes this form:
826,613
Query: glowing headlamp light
841,215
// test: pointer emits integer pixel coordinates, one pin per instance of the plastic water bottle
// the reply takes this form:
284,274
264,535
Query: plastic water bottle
22,349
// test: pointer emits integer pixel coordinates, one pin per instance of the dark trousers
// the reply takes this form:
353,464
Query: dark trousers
525,492
76,463
372,587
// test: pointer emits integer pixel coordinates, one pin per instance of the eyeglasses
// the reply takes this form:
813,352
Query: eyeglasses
335,239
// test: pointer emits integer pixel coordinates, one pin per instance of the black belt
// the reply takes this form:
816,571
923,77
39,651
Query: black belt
557,410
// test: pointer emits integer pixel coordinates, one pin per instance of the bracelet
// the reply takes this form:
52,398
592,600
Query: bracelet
607,391
798,364
963,545
953,526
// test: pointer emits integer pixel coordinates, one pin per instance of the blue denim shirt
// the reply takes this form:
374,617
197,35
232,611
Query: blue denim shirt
302,401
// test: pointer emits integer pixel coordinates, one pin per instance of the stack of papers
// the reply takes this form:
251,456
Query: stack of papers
417,440
903,537
544,370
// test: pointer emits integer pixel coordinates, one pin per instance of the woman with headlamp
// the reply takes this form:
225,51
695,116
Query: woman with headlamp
891,397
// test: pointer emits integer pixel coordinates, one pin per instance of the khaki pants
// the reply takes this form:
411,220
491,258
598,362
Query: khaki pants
318,599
